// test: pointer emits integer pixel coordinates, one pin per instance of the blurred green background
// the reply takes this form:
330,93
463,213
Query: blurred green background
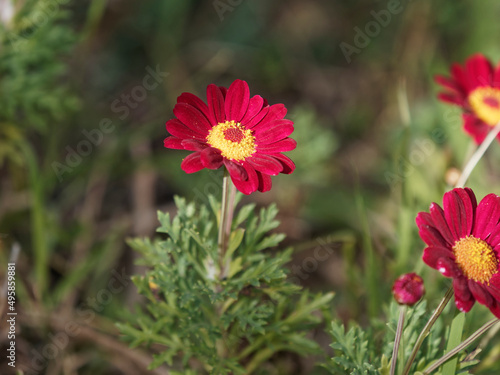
82,163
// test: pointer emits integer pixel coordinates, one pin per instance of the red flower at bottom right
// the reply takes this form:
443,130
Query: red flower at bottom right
463,240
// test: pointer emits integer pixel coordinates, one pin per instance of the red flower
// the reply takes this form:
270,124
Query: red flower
408,289
475,88
243,133
464,243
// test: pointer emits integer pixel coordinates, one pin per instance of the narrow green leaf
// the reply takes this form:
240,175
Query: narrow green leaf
234,241
454,339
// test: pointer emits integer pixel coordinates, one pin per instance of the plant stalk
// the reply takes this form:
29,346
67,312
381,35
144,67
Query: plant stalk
462,346
427,329
221,240
478,154
397,339
225,222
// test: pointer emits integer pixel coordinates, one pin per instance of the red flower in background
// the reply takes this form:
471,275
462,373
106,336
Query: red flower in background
408,289
463,243
243,133
476,88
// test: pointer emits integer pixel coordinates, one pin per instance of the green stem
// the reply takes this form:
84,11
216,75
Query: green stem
427,329
462,346
397,339
222,238
38,221
471,164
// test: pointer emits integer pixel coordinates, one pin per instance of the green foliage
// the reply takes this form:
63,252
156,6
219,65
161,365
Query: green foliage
31,45
369,351
227,314
354,348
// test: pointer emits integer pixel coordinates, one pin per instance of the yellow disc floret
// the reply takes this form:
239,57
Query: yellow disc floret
485,101
476,259
232,139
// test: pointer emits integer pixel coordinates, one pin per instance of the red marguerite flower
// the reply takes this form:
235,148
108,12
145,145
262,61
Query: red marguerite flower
464,243
475,88
408,289
243,133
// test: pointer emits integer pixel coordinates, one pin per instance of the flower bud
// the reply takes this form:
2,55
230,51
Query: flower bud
408,289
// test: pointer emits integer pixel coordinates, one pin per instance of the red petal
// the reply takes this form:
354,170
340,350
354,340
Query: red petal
265,182
237,98
277,130
287,144
431,236
448,267
265,164
193,145
275,112
470,203
494,287
215,101
496,76
173,142
192,118
288,164
480,294
254,107
236,171
192,163
223,91
479,71
487,216
463,297
440,223
251,184
428,231
188,98
179,130
475,127
495,308
494,238
451,98
455,213
432,254
211,158
257,118
458,74
449,84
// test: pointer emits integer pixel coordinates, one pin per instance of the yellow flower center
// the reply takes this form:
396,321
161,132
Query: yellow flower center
476,259
232,139
485,101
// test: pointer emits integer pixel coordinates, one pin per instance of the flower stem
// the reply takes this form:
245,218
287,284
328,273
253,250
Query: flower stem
471,164
226,219
462,346
221,240
427,329
397,339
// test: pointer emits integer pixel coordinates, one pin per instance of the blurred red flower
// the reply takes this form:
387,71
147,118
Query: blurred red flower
408,289
243,133
476,88
464,243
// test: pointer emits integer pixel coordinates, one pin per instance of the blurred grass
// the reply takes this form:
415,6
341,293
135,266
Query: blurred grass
357,167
